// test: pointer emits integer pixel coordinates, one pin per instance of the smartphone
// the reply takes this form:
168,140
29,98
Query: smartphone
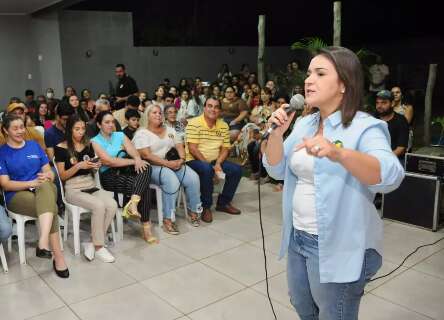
95,159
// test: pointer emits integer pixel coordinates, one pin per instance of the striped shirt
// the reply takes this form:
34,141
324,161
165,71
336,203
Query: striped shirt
209,140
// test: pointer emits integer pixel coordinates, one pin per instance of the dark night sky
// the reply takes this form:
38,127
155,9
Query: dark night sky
234,22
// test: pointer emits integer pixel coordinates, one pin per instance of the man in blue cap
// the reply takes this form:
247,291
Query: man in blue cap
397,124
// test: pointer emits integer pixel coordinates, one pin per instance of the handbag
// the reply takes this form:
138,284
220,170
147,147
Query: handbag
172,154
127,170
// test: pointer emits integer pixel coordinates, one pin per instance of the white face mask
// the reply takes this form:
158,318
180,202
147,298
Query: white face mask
50,95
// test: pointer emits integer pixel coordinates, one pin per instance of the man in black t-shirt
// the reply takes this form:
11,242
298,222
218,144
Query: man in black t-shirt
125,87
397,124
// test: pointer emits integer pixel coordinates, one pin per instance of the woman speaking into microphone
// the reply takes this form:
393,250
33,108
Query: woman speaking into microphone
333,163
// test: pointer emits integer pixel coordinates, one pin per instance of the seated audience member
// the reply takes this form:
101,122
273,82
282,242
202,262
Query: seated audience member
5,225
234,111
51,100
27,179
56,134
30,103
74,102
171,121
132,102
169,100
159,96
153,144
132,118
173,91
208,145
75,162
41,99
254,154
90,103
216,92
130,176
189,108
42,117
397,124
92,129
405,109
143,96
69,91
18,109
255,98
261,113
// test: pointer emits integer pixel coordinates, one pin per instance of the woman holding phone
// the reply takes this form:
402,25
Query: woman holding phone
76,163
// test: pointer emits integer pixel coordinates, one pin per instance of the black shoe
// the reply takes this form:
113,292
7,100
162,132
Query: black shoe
43,253
60,273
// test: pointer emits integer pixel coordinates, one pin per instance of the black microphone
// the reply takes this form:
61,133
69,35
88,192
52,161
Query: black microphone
296,102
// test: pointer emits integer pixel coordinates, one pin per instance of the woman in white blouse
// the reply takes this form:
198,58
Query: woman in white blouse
153,144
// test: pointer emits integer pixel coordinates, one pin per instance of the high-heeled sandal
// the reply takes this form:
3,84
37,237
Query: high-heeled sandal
147,235
127,212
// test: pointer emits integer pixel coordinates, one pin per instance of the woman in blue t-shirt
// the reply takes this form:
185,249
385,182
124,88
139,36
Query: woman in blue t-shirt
133,180
27,179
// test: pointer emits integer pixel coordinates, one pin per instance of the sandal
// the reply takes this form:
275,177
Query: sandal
170,227
147,234
128,212
193,219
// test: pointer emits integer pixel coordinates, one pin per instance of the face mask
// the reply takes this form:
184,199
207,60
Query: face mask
50,95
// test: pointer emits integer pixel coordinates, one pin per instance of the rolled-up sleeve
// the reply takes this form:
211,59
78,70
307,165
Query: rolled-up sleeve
375,141
277,171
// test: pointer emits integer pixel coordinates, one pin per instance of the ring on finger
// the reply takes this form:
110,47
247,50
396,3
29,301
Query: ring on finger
316,149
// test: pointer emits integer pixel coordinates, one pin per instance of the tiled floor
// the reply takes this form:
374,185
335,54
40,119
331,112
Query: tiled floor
212,272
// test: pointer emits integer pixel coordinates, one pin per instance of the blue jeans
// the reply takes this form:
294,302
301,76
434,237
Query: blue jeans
233,174
327,301
5,225
170,182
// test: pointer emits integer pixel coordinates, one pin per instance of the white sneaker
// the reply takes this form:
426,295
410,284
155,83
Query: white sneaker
104,255
89,250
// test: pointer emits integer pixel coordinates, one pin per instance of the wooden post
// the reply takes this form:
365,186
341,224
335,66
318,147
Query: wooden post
337,23
428,102
261,49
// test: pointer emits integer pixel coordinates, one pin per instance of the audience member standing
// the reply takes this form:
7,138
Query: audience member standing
125,87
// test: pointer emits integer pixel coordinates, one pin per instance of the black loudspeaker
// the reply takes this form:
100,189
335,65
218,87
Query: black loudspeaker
417,201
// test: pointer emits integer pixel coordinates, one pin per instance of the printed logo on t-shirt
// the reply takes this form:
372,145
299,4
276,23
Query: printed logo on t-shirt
32,156
171,136
218,133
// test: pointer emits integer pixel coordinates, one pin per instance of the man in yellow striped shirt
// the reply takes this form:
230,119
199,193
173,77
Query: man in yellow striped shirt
207,148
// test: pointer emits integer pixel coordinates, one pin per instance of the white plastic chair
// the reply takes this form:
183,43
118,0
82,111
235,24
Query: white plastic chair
76,212
20,221
3,259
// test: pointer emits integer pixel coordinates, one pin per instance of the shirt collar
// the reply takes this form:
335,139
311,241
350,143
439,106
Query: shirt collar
334,119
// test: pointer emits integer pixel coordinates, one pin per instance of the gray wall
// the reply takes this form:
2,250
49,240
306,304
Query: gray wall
18,58
62,39
109,36
47,38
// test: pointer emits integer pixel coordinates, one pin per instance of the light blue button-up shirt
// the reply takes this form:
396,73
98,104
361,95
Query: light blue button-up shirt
348,222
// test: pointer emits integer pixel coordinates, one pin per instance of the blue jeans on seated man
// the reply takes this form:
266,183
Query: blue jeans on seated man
233,174
5,225
327,301
170,183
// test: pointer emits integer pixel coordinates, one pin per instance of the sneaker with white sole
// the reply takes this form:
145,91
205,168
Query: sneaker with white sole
104,255
88,250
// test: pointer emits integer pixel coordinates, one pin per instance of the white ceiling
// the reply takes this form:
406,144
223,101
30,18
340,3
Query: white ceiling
24,6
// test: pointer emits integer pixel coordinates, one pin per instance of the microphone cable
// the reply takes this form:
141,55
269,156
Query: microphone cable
405,259
262,230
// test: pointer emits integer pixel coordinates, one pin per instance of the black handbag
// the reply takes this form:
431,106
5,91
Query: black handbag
127,170
172,154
